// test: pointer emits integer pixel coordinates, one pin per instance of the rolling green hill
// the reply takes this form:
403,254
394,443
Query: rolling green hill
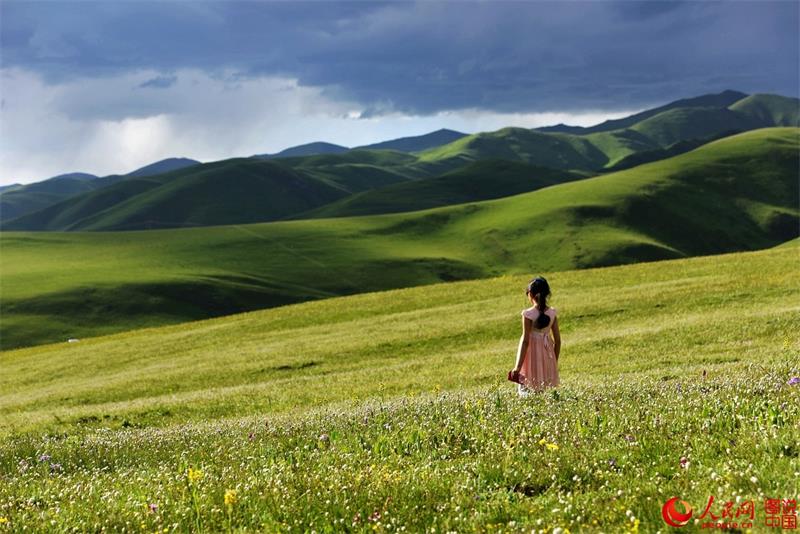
482,180
23,199
737,193
653,133
720,100
392,408
604,145
770,110
681,147
230,191
278,353
30,198
308,149
417,143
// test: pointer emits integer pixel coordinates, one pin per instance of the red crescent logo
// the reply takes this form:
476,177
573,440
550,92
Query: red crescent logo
672,516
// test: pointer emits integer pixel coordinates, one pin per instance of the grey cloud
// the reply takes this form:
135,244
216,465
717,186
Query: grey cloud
420,58
160,82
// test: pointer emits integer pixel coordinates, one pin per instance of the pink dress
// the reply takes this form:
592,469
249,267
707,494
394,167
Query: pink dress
539,365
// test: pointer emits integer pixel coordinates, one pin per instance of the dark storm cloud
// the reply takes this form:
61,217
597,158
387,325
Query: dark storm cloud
160,82
429,56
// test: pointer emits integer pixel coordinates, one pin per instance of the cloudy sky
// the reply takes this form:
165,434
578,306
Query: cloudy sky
110,86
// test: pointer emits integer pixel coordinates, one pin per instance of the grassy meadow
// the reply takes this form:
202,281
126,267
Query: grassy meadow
389,411
737,193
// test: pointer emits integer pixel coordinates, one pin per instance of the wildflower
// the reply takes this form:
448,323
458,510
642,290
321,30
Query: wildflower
44,457
194,474
230,497
794,380
552,447
153,507
684,462
376,516
324,438
55,468
628,437
3,520
542,441
612,463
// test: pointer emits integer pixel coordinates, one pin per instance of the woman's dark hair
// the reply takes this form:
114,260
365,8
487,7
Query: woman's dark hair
540,289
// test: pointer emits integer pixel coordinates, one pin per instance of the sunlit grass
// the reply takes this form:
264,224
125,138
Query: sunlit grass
389,411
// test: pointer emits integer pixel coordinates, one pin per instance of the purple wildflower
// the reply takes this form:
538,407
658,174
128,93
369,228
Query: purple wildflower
153,507
794,380
44,457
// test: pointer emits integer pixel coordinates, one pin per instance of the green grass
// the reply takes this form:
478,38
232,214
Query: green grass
22,199
389,411
592,149
737,193
482,180
770,109
239,190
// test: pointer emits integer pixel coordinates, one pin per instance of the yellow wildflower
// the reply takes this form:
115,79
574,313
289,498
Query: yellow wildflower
194,475
3,520
552,447
230,497
542,441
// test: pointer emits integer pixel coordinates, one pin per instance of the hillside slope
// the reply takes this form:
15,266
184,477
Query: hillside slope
30,198
395,403
232,191
482,180
418,142
719,100
666,311
655,133
23,199
605,145
738,193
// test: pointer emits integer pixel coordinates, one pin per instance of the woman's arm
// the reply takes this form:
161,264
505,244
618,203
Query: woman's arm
556,337
523,342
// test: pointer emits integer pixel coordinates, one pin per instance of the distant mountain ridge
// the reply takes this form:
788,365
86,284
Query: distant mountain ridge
414,143
721,100
418,142
304,184
308,149
164,165
29,198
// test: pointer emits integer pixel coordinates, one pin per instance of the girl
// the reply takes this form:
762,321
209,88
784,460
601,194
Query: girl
537,354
